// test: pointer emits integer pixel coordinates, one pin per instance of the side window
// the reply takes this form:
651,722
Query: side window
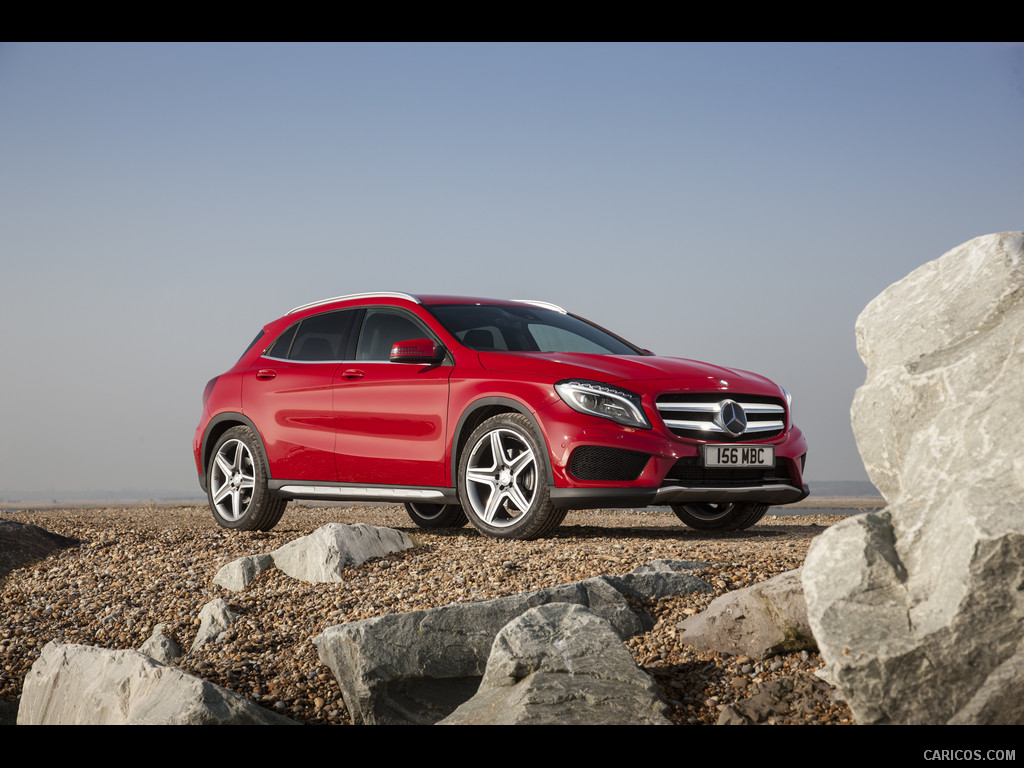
317,338
381,329
280,348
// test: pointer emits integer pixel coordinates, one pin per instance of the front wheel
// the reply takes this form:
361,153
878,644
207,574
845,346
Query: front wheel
237,484
436,515
503,480
722,517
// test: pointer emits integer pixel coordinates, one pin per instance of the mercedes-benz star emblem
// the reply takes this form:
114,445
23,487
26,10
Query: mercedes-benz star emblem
732,418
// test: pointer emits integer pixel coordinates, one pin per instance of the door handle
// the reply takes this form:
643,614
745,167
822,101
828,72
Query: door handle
265,374
352,373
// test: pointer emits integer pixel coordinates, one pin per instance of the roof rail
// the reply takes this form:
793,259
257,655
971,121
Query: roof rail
372,295
544,304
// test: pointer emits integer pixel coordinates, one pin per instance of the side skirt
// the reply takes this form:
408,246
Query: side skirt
298,489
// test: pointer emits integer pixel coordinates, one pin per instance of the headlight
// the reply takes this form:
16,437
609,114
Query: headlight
604,400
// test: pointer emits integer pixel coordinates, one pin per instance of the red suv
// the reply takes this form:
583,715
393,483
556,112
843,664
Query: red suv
508,413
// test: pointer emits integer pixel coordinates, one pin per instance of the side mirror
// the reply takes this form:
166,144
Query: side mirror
417,351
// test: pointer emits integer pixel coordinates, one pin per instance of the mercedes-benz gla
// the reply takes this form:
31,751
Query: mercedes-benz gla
505,413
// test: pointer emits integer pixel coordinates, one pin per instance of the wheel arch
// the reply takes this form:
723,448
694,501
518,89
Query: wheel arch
481,410
217,426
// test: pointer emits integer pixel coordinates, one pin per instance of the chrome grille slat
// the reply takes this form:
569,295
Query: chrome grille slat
716,407
708,426
698,416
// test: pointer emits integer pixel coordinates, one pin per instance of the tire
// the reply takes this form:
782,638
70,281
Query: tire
436,515
720,517
237,484
503,480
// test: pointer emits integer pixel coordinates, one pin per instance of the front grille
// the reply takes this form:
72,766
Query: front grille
594,462
699,416
690,473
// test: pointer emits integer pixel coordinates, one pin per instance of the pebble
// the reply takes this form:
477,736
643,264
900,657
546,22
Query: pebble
143,566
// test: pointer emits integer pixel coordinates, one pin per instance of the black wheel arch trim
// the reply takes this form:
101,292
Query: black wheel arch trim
234,419
506,404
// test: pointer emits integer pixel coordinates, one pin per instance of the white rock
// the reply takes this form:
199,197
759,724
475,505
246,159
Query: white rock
560,664
919,610
83,685
758,621
214,617
323,555
238,574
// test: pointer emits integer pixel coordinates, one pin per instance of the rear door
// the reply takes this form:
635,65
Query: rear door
288,394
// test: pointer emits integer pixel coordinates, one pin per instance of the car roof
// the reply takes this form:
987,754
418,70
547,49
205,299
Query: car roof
432,299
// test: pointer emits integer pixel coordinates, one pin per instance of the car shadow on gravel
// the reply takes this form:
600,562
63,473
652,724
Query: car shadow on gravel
674,532
571,532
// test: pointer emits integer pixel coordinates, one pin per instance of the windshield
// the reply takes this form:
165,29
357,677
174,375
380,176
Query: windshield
510,328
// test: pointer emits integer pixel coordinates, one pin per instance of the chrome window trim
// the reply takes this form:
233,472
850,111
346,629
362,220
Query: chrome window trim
333,362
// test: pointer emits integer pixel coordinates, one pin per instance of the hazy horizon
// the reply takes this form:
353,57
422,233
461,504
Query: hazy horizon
734,203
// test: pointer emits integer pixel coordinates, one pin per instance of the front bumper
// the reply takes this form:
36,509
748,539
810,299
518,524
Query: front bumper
587,498
628,467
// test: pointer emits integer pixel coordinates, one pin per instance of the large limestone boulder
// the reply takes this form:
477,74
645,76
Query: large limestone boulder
919,610
83,685
561,664
418,667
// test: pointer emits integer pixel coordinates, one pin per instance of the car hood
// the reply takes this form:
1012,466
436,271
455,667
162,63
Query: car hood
618,369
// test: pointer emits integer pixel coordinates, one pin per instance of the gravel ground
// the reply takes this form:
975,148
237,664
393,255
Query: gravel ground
144,565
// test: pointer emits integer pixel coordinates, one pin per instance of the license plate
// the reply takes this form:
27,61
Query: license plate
739,456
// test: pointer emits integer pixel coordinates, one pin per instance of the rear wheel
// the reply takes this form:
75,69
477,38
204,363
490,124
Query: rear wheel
436,515
503,480
237,484
723,517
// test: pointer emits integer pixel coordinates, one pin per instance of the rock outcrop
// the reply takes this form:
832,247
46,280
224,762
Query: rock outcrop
418,667
160,647
758,621
560,663
919,610
240,573
321,556
82,685
214,618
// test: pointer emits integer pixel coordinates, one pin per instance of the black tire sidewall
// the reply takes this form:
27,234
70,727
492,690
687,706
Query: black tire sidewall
738,517
445,515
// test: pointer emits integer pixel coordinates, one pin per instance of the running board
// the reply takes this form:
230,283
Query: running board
358,493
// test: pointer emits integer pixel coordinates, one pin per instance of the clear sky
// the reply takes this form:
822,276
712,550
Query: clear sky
737,203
